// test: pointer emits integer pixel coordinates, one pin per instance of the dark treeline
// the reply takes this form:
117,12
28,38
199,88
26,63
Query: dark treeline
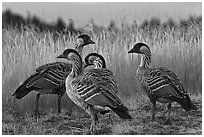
155,23
10,19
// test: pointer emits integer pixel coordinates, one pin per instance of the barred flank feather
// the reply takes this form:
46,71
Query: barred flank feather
94,93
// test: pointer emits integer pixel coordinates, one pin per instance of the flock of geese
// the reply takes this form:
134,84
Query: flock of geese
93,87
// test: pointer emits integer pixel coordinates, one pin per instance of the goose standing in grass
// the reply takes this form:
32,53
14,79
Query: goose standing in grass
160,84
100,71
50,78
92,95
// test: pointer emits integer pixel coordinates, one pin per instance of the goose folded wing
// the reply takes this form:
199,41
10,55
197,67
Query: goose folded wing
103,76
161,85
48,79
174,79
95,93
61,66
99,73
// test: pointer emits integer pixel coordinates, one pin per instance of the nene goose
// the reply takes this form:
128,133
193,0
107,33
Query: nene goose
160,84
100,71
92,95
50,78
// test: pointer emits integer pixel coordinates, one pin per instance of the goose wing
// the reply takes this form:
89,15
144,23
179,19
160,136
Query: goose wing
103,76
95,92
47,77
163,83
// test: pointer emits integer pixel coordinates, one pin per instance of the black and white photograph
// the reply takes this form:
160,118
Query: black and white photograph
101,68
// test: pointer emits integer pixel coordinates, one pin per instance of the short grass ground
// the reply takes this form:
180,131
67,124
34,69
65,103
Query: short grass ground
78,122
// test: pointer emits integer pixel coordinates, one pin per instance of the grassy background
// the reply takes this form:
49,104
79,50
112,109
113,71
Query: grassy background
22,52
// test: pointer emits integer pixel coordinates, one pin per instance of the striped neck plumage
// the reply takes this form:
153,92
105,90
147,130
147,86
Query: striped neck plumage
76,68
79,49
98,64
145,60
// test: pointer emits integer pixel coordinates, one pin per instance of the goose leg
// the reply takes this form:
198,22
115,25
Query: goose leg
59,103
90,110
37,102
96,117
169,112
153,109
93,123
110,118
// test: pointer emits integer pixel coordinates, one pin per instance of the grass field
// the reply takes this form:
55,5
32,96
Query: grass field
178,50
182,123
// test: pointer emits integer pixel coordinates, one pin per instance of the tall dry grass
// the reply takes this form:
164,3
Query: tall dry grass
23,52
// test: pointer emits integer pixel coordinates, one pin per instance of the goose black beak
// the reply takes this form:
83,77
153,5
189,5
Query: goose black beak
86,65
91,42
131,51
61,56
